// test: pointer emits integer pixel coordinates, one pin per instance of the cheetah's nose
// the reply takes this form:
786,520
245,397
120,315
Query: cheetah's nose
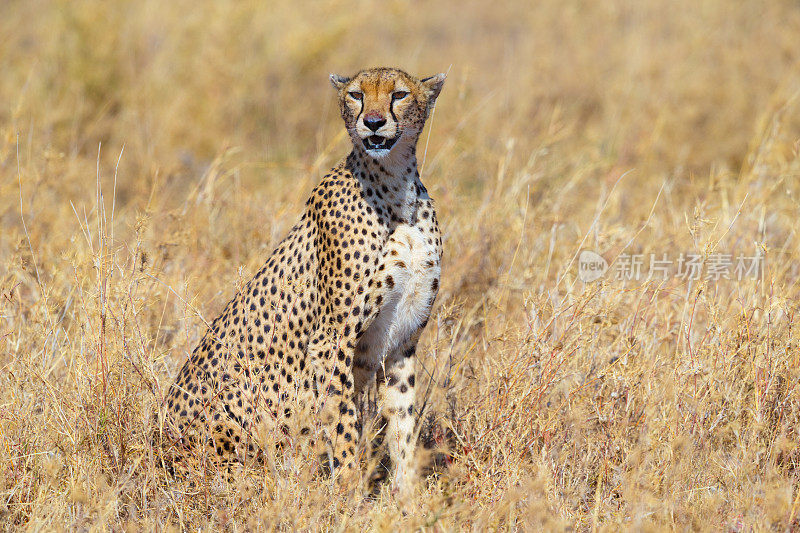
374,122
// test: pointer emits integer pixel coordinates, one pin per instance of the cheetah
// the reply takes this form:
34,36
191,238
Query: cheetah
338,306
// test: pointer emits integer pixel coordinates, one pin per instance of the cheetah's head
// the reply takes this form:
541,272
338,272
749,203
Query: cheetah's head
384,108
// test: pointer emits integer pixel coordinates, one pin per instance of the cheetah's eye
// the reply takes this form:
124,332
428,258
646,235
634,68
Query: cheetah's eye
355,95
399,95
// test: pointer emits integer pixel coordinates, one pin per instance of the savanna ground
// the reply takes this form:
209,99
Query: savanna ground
153,153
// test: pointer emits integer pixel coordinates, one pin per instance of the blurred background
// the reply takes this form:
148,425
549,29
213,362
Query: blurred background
153,153
678,85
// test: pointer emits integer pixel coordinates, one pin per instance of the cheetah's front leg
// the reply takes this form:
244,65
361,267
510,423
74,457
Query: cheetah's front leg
334,388
396,380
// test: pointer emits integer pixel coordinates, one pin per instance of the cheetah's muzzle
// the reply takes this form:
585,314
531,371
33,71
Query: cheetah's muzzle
379,142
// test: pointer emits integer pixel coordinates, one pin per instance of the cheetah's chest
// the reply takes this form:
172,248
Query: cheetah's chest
407,285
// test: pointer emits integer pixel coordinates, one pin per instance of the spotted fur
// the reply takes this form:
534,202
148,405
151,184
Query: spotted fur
339,304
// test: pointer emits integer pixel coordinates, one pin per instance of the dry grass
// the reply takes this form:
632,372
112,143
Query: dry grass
622,127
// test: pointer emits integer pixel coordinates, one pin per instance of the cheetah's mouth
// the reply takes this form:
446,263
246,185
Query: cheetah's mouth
379,142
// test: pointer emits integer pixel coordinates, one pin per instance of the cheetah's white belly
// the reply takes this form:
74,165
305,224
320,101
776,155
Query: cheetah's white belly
410,278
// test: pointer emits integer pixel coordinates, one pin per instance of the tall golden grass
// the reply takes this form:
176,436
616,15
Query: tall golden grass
153,153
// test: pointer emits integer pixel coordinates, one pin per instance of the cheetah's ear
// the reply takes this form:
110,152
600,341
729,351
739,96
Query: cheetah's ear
433,85
338,81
